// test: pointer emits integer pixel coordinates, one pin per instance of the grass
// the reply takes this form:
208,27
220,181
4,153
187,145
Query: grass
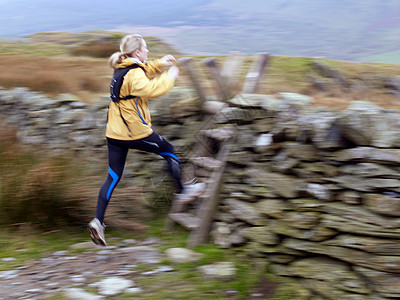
43,49
33,186
289,74
55,75
185,282
28,244
286,74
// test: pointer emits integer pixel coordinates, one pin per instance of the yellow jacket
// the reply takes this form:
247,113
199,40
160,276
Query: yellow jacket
145,85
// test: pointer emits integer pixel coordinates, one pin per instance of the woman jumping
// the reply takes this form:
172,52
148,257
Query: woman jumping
129,122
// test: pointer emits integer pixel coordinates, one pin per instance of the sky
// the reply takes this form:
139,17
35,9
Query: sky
21,17
344,29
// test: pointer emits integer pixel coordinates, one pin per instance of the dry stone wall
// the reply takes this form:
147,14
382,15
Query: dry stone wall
59,124
313,192
66,124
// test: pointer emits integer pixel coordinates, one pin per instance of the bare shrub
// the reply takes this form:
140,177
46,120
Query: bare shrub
41,190
48,83
101,50
54,76
32,192
91,84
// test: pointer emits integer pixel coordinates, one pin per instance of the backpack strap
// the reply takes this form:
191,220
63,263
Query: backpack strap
117,81
115,89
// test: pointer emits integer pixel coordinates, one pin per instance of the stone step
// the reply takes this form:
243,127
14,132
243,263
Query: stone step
219,134
187,220
208,163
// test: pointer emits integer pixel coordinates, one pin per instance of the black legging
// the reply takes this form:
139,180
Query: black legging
117,152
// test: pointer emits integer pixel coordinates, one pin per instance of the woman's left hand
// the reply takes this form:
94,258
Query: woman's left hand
168,60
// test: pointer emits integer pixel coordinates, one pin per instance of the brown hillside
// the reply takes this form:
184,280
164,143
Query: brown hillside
76,63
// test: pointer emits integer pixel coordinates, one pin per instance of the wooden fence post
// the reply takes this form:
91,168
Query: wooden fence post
223,90
187,64
255,73
230,71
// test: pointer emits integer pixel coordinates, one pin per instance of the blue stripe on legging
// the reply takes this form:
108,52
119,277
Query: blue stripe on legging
169,154
113,183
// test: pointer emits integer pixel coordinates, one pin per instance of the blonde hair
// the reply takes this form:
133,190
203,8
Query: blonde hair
128,45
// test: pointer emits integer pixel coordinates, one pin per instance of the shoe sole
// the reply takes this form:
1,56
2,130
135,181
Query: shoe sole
200,192
95,237
186,199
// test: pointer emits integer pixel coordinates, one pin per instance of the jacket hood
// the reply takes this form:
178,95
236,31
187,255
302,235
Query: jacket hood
129,62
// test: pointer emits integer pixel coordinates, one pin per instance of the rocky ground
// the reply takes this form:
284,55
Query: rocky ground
61,270
87,271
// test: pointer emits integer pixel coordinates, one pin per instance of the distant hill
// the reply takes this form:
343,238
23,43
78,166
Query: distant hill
76,63
338,29
389,58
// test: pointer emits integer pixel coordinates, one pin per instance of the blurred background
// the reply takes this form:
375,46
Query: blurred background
53,60
346,30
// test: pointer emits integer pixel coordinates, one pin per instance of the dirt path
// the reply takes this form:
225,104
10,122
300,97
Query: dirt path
62,270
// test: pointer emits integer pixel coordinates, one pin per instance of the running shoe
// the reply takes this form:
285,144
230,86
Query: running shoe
191,192
96,231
